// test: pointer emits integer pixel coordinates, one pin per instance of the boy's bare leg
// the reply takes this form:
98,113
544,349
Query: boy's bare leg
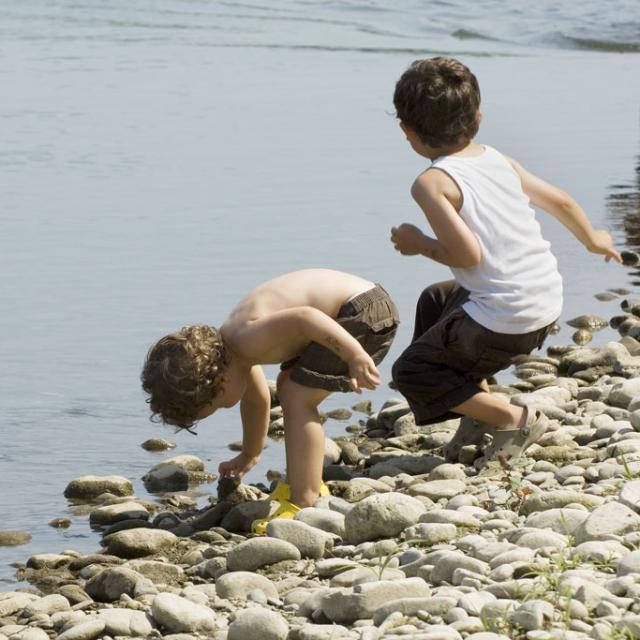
304,440
489,408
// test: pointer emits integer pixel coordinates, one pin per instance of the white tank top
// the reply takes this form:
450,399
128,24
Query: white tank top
516,286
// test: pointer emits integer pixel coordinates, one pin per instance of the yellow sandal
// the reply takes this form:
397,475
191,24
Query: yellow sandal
286,511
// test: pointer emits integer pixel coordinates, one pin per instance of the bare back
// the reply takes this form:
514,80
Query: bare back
322,289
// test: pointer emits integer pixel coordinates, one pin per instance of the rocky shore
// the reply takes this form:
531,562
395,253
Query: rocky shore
408,546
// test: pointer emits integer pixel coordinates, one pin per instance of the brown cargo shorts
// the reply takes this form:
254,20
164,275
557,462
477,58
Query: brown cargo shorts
451,354
371,318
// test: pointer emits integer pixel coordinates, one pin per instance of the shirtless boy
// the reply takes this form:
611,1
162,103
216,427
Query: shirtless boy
327,329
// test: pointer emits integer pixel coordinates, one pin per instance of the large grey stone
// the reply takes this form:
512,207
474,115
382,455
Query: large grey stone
257,623
170,477
450,561
630,563
47,605
325,632
112,513
136,543
87,630
14,538
89,487
630,495
612,518
110,584
563,521
13,601
381,516
310,542
344,606
236,585
433,605
324,519
556,499
126,622
180,615
258,552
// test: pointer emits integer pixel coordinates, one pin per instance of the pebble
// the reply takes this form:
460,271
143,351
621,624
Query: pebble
257,623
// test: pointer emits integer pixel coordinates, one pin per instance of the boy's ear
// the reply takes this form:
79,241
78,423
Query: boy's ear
405,129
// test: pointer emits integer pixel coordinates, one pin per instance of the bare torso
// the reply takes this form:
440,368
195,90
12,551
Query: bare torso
322,289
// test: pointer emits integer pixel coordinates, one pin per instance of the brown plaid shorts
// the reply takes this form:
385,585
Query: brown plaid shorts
371,318
451,354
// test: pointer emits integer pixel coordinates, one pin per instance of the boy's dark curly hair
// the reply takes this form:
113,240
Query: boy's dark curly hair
181,374
439,99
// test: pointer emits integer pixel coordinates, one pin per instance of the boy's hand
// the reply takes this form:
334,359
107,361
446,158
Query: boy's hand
363,373
602,243
407,239
238,466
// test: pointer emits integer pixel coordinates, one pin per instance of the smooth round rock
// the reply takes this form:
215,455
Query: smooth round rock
381,516
89,487
180,615
257,623
14,538
236,585
259,552
139,542
310,542
84,631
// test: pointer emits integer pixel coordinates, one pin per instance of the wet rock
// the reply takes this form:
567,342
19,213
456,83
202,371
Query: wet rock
179,615
630,258
588,321
582,337
89,487
258,552
257,623
48,561
135,543
60,523
158,444
112,513
381,516
14,538
166,478
236,585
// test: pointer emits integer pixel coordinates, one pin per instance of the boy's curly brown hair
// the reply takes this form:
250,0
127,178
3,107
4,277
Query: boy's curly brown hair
181,374
439,99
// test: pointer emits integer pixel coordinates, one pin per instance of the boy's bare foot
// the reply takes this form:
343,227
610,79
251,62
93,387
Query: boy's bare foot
470,431
512,443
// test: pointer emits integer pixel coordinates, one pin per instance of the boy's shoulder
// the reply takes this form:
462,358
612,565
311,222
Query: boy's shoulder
433,183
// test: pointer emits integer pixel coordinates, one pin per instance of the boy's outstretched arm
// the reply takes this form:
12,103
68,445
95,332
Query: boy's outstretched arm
297,324
254,412
454,245
565,209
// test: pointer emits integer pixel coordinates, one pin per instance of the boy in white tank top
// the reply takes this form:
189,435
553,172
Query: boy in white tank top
507,291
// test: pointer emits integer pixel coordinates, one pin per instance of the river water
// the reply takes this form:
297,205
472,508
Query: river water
161,158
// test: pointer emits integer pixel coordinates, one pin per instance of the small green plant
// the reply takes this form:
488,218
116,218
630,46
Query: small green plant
628,474
513,479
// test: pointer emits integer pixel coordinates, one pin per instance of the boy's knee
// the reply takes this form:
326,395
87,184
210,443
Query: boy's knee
399,373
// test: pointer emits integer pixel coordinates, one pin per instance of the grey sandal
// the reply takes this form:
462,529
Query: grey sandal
511,444
469,432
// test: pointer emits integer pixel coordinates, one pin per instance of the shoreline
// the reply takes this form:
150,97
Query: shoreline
408,545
